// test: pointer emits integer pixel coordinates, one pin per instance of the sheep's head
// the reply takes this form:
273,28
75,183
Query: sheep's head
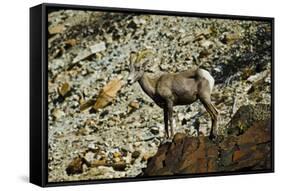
138,63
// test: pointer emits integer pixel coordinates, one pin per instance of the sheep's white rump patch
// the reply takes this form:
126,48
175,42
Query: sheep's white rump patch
205,74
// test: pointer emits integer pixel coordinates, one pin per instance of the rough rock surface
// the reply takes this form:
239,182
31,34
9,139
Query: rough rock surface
248,150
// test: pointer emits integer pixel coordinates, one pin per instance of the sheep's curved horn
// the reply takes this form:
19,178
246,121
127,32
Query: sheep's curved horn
144,54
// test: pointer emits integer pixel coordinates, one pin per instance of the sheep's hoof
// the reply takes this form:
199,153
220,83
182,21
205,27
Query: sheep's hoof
212,137
216,138
219,138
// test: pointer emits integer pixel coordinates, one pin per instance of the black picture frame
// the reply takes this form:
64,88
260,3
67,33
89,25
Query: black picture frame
39,92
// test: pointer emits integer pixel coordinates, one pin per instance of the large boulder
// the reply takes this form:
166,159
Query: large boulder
249,149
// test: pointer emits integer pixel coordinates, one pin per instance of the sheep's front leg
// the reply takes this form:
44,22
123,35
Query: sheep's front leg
170,116
166,124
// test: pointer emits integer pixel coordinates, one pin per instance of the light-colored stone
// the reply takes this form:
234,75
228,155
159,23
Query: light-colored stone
58,114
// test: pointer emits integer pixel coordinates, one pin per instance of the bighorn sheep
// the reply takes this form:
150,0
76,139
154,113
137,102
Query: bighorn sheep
174,89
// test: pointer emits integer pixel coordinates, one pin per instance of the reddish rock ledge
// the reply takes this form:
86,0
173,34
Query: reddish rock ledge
243,150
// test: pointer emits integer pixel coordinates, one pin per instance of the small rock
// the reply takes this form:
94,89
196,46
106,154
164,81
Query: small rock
89,157
57,113
75,104
229,38
181,116
83,131
152,144
104,113
84,72
204,53
207,44
93,147
155,116
75,167
108,93
117,154
164,67
98,163
218,69
136,144
71,42
87,104
135,104
136,154
65,89
121,166
154,130
56,29
89,51
110,123
90,123
97,47
257,77
116,160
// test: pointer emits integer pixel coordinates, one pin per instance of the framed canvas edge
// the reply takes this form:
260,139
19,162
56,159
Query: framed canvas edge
273,94
36,151
156,12
154,178
44,90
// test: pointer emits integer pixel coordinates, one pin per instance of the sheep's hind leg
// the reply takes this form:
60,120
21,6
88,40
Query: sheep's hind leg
214,115
170,116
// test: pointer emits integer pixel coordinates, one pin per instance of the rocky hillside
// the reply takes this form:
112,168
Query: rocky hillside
101,127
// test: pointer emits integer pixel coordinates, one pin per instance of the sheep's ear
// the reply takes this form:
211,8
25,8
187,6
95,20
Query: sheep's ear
133,57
